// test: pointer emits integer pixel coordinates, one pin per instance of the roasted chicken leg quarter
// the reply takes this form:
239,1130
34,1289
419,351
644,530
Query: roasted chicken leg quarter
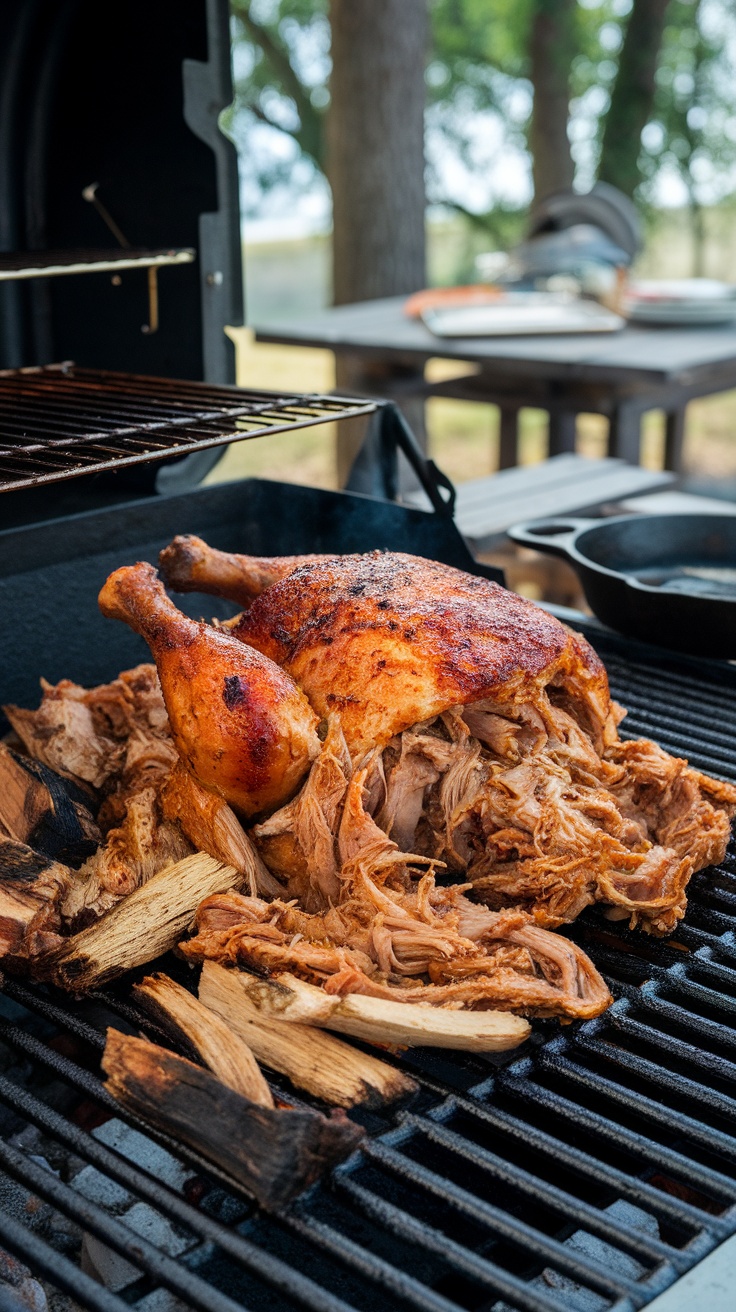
389,640
239,722
190,565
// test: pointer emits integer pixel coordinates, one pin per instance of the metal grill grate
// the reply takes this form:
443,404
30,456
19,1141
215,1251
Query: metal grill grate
60,421
586,1172
22,265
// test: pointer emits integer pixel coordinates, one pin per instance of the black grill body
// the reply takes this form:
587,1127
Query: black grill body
586,1171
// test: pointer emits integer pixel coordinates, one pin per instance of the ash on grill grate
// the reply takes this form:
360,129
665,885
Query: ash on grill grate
60,421
585,1173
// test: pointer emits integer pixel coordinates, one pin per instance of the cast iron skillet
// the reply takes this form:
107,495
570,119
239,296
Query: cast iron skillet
667,579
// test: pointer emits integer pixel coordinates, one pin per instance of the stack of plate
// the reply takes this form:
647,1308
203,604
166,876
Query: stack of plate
683,302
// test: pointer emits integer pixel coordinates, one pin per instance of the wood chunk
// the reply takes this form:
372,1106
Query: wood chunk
318,1062
146,923
275,1155
284,997
31,888
50,814
212,826
220,1048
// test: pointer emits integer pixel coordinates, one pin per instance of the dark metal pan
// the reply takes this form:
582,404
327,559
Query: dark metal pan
667,579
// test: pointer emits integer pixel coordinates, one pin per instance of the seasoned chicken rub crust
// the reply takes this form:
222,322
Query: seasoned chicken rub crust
389,640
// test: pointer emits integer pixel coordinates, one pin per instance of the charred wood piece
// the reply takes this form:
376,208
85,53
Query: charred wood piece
205,1034
51,814
274,1155
31,889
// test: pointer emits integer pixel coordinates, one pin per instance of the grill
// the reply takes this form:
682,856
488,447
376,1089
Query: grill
588,1171
117,167
60,422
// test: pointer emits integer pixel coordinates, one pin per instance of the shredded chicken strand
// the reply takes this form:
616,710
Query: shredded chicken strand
393,932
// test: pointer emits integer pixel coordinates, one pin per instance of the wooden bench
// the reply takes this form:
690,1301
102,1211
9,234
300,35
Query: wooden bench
565,484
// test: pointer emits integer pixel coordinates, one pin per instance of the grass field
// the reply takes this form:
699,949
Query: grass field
292,278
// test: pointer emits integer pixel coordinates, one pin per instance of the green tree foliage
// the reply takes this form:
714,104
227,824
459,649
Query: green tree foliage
281,66
692,130
480,76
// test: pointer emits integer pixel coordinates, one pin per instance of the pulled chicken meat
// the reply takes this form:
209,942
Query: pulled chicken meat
115,738
536,807
540,813
497,741
378,921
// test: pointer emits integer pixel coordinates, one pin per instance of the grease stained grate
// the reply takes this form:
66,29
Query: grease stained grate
586,1171
60,422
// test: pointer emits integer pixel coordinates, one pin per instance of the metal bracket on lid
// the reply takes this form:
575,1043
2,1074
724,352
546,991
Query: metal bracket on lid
375,470
394,431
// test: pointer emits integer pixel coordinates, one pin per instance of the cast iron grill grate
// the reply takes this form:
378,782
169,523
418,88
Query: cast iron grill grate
587,1171
59,422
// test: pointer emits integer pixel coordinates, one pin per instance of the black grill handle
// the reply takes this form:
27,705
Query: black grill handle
395,435
375,471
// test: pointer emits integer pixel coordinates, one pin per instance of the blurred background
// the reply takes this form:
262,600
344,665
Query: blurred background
521,98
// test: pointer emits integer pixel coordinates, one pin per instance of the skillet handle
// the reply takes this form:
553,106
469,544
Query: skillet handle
555,536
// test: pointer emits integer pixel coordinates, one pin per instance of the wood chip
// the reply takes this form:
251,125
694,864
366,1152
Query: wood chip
31,889
148,922
407,1024
187,1019
274,1155
52,815
318,1062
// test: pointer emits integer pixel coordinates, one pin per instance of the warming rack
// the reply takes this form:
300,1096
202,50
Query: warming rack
21,265
60,421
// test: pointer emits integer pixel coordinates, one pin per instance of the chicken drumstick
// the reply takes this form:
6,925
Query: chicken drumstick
239,722
190,565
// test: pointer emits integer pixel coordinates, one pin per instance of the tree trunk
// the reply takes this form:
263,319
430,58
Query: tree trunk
632,97
697,225
551,49
375,146
375,166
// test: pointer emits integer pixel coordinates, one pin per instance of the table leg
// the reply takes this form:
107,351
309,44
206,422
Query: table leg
674,438
508,437
624,434
562,431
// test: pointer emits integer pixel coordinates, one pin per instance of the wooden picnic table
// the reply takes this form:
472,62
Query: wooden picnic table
619,375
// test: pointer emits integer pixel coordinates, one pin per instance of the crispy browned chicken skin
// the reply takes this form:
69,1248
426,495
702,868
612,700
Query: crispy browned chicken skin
239,722
389,640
